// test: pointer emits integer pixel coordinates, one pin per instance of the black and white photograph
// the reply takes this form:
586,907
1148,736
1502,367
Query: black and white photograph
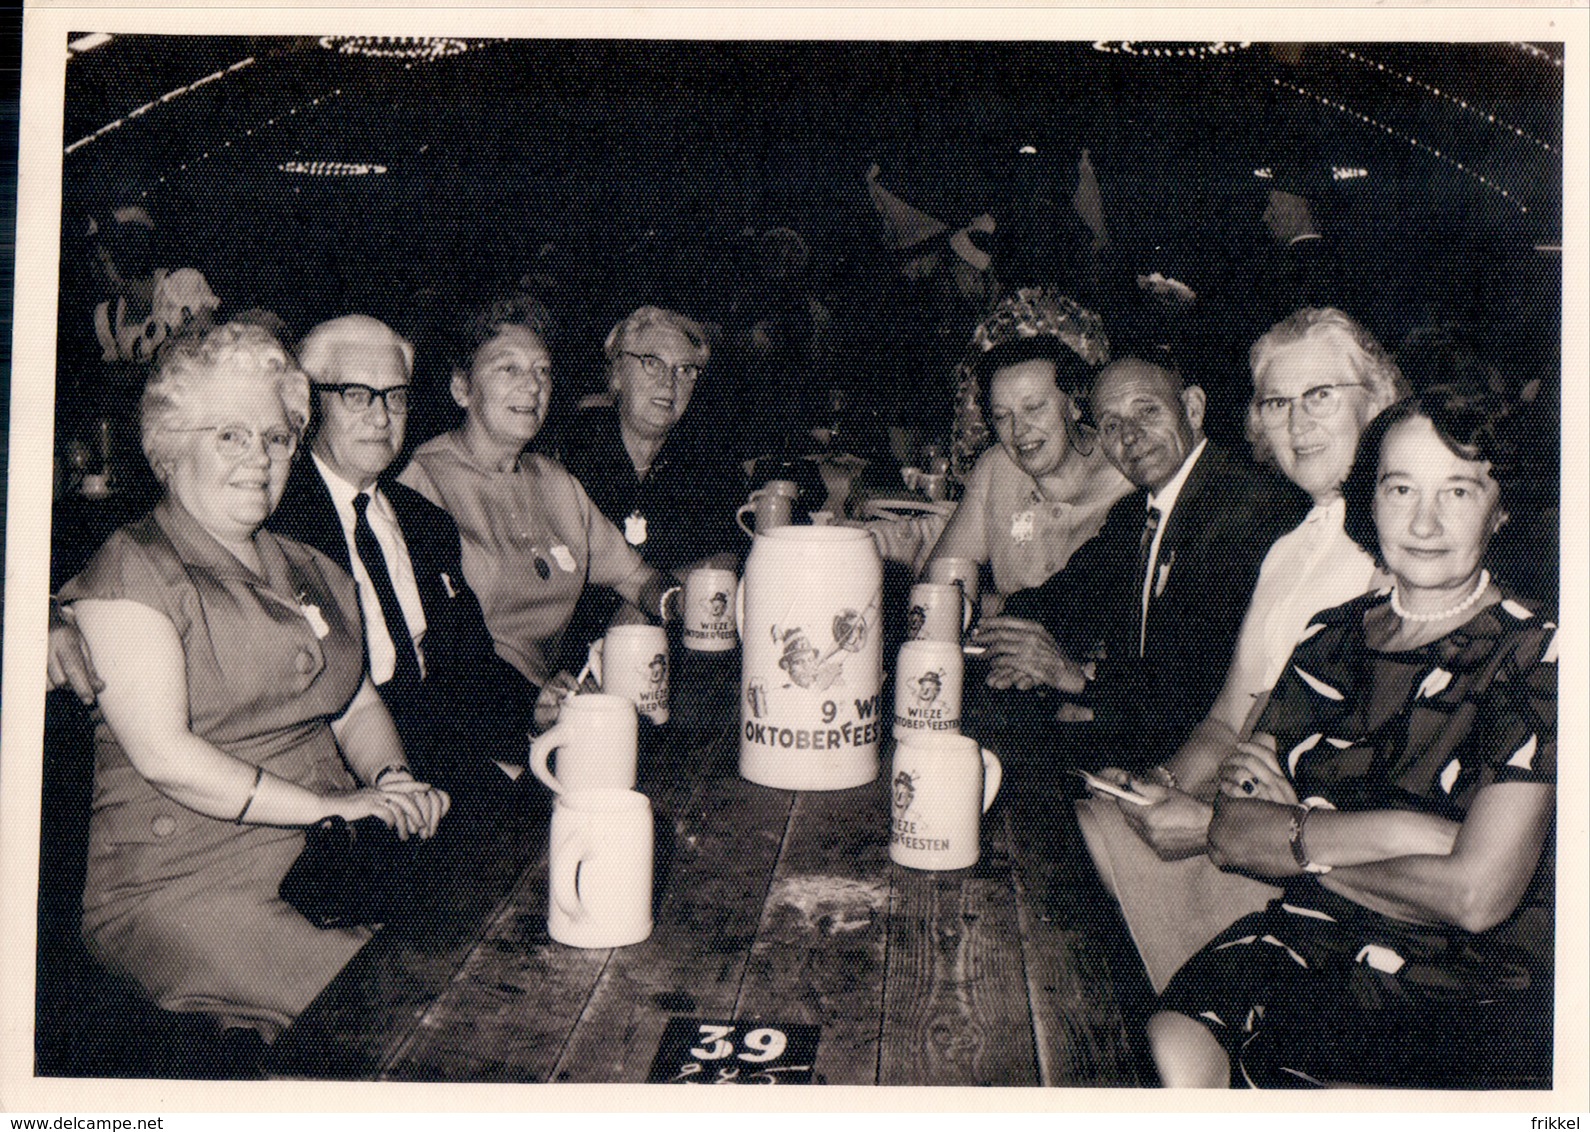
674,548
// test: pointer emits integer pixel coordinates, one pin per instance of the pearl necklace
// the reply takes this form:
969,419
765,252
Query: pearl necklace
1425,618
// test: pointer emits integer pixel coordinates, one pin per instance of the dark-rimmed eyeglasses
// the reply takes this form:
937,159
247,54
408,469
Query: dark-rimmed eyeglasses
685,373
1319,402
360,397
233,441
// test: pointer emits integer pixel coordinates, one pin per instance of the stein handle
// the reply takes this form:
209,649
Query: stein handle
541,749
566,875
739,516
739,608
966,608
993,775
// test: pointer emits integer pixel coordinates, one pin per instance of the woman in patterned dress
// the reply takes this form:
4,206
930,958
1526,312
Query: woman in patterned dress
1401,787
234,711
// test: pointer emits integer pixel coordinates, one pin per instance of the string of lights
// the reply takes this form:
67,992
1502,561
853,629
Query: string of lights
1411,140
248,133
1461,103
164,99
1168,50
1338,173
1534,52
332,168
422,48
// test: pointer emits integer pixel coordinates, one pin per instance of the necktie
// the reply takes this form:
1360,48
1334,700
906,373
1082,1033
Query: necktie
1146,543
1145,571
407,670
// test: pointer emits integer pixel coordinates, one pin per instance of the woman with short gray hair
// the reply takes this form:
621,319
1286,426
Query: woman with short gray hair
234,709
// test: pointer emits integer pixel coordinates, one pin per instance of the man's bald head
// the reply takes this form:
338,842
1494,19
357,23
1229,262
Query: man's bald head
1149,420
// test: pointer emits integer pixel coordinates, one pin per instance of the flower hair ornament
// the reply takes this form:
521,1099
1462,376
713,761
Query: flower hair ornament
1028,313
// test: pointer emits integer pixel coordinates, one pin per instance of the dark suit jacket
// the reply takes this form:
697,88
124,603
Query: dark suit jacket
471,703
1217,535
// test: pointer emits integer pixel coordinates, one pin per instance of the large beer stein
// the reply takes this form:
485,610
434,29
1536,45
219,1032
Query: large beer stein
811,675
771,503
940,788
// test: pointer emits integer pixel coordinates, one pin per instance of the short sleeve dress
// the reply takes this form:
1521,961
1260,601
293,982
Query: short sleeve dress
1317,988
1029,538
185,904
533,541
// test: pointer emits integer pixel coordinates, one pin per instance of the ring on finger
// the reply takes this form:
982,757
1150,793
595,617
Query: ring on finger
1249,785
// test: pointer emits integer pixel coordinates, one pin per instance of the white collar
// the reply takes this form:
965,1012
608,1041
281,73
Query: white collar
1304,236
1336,509
1165,499
343,492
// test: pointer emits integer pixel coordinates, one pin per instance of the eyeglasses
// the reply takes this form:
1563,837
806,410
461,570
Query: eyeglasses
685,372
360,397
233,441
1319,402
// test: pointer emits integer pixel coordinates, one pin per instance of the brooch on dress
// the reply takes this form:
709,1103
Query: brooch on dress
311,613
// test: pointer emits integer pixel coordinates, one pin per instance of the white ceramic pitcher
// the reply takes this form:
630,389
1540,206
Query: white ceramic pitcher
811,676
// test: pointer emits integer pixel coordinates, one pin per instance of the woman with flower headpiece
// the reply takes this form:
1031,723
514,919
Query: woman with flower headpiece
1045,488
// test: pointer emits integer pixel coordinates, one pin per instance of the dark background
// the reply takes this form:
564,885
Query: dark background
642,161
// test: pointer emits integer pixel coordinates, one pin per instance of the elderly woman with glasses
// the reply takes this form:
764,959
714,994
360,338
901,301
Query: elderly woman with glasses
1318,379
647,464
533,539
234,710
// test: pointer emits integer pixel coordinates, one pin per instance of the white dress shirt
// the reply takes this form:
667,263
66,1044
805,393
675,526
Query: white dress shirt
383,522
1163,501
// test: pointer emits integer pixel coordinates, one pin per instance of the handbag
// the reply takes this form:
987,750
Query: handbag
353,873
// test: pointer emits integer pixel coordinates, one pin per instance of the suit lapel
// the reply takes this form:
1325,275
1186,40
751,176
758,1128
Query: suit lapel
437,574
307,513
1185,519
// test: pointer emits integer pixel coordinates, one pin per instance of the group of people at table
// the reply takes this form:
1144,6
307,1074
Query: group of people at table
1338,697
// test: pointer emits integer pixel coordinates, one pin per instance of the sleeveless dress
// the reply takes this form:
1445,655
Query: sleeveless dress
1317,988
184,904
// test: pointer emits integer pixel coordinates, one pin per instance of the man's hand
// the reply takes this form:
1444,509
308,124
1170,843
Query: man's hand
1175,825
68,659
1023,654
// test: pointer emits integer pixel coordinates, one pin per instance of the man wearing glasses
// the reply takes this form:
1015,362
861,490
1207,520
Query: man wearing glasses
427,644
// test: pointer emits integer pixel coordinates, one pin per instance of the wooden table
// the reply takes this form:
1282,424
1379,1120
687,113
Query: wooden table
773,906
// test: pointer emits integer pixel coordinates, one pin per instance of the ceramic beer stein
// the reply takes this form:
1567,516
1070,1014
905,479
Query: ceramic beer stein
927,688
937,612
595,741
631,661
940,788
811,665
963,572
708,611
771,502
600,869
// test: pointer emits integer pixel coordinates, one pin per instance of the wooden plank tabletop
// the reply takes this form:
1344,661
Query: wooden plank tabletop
771,907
